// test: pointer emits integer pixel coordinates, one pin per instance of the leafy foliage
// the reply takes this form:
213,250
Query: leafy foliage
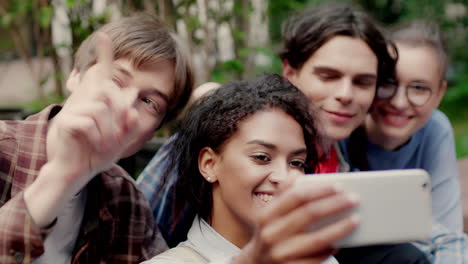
452,15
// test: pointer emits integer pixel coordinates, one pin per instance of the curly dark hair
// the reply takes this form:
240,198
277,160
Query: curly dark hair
304,33
215,117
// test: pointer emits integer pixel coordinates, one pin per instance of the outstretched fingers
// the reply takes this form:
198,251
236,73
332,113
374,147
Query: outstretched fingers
119,99
309,213
315,242
282,235
104,55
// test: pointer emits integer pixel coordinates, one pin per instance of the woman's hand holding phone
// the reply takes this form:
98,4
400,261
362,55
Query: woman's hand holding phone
280,235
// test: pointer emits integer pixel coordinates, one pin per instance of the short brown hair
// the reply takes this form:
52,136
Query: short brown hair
144,39
426,33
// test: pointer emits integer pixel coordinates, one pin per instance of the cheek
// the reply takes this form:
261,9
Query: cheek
150,121
307,84
366,100
424,113
239,176
147,129
316,93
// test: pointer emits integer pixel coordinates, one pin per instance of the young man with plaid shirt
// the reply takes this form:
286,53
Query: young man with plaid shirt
63,199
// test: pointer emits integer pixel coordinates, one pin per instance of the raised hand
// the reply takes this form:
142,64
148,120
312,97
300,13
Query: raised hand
86,137
96,123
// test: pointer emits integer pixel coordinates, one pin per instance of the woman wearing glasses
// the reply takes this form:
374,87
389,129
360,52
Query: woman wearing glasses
404,128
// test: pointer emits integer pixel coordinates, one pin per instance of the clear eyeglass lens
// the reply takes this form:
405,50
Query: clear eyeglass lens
419,95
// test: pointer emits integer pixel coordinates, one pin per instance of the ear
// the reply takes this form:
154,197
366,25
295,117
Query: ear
289,72
207,160
441,92
73,80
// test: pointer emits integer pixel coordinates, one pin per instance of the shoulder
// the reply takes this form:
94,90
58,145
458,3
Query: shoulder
8,131
438,130
23,134
438,122
178,255
153,175
160,161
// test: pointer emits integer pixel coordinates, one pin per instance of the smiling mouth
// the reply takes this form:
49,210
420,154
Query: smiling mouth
394,119
264,197
339,117
340,114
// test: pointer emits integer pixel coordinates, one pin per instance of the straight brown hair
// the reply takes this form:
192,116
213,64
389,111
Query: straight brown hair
423,33
144,39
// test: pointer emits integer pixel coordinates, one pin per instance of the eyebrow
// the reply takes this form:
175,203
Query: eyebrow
421,81
300,151
329,69
324,68
273,147
149,90
367,75
262,143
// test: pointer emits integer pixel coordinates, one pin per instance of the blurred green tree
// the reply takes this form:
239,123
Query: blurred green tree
228,39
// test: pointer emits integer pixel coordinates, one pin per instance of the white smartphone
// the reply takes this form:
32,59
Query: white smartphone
395,205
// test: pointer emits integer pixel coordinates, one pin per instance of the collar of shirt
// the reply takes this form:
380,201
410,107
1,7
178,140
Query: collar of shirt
114,205
329,164
214,247
31,139
209,243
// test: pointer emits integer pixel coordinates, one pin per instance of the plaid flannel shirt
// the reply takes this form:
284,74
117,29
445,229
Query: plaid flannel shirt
149,181
444,246
117,225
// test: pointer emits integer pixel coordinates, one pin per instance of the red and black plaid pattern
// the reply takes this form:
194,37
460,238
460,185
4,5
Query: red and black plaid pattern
117,226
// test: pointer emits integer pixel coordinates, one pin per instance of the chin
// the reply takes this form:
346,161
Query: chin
337,135
396,133
336,138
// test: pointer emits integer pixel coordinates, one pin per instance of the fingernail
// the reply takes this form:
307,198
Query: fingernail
353,198
338,187
356,219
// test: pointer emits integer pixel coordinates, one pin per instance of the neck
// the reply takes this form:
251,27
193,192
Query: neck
377,137
228,225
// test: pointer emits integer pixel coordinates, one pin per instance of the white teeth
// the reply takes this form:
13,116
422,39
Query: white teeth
265,197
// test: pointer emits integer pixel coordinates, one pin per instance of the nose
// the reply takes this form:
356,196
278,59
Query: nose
344,92
283,174
400,100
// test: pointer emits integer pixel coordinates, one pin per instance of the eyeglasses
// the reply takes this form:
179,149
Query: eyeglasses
418,94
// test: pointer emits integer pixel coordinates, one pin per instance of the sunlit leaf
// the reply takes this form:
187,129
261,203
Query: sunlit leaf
6,20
